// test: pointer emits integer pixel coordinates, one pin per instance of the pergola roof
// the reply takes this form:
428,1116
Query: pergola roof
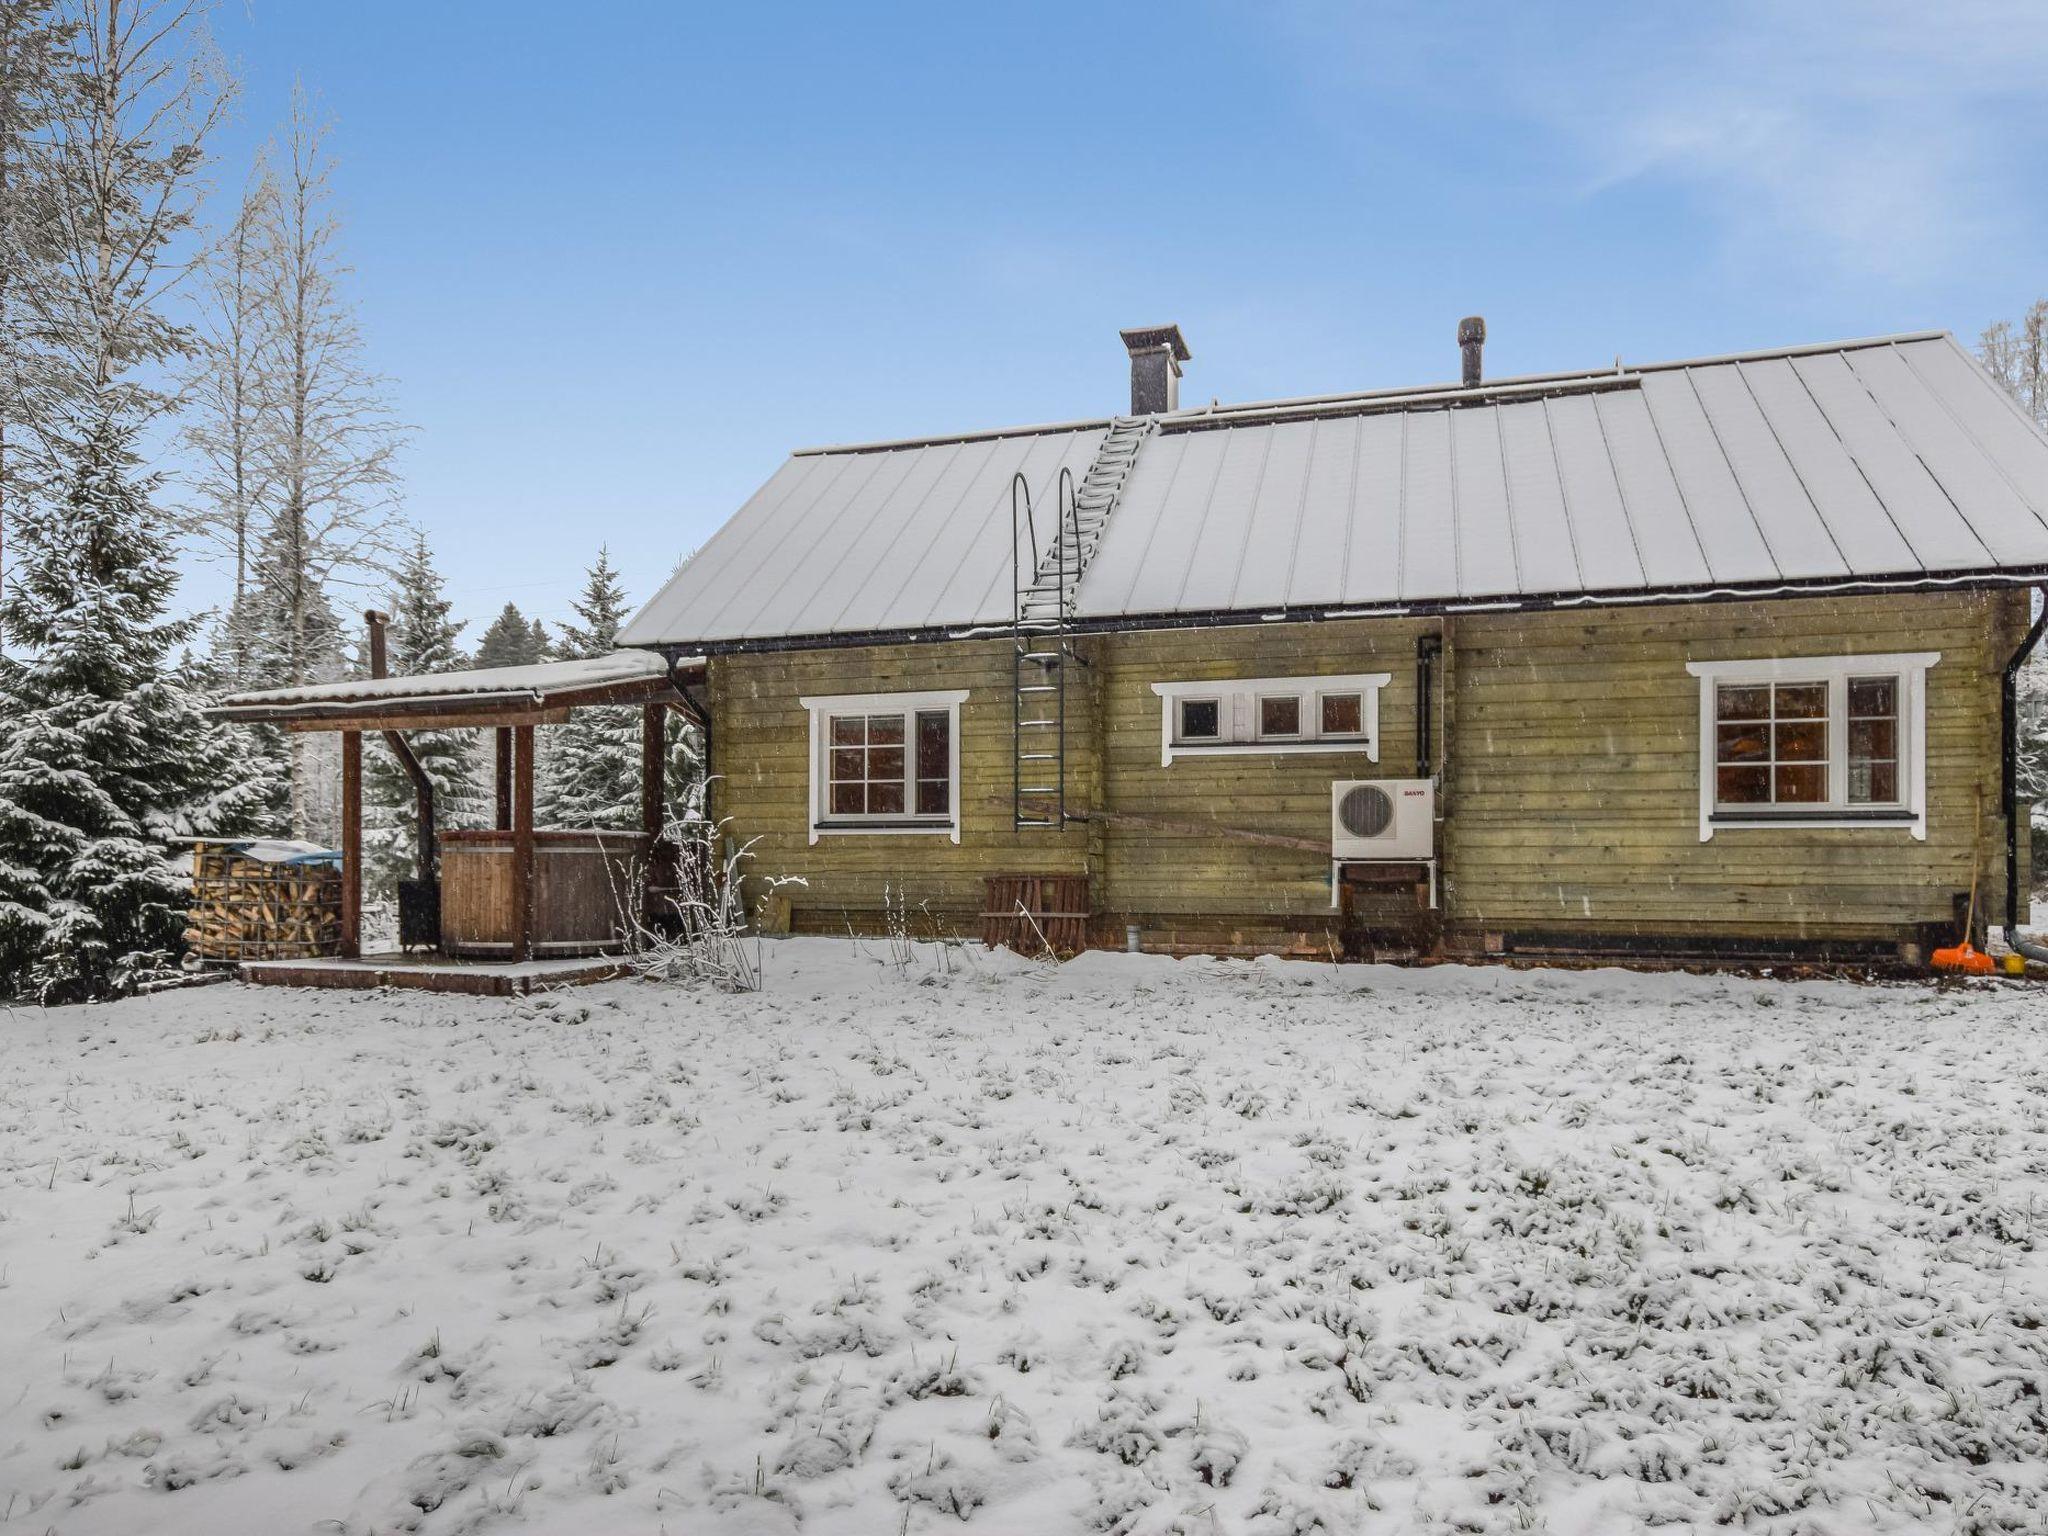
481,696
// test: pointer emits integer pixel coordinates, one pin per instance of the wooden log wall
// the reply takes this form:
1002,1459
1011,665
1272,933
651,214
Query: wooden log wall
1569,744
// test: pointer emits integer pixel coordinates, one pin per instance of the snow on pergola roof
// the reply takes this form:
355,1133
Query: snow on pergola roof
620,677
1894,460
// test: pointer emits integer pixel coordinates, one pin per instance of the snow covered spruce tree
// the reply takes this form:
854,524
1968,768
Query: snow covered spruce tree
590,767
102,749
512,641
423,638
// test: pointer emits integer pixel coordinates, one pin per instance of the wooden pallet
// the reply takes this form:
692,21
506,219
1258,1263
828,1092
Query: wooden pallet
1031,913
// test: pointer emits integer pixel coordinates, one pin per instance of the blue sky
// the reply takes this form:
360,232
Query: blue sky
619,257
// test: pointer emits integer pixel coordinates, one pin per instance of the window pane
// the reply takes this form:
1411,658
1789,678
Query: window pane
885,729
1802,783
1343,714
848,763
1198,719
1873,696
848,799
849,730
1872,738
1280,716
1743,786
885,799
885,764
1802,741
1874,783
1743,743
934,797
1802,701
934,745
1743,703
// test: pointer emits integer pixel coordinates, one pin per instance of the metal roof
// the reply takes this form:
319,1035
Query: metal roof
1891,459
541,685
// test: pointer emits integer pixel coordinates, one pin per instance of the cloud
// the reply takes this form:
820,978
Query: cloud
1880,136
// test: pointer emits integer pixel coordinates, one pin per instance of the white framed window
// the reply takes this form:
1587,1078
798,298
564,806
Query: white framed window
885,763
1330,713
1814,741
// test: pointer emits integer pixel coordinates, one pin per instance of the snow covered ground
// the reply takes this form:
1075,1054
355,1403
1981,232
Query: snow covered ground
1131,1245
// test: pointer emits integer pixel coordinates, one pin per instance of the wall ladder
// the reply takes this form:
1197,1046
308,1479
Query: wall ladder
1043,585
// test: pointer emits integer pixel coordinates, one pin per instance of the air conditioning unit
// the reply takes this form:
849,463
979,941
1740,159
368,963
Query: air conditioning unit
1383,820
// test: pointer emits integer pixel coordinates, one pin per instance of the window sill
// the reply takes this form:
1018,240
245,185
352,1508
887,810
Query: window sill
1358,744
907,827
1844,820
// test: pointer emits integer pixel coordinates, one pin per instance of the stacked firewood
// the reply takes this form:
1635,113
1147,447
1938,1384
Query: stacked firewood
251,909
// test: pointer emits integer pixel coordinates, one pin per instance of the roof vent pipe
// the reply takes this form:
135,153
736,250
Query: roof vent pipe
1157,351
1471,342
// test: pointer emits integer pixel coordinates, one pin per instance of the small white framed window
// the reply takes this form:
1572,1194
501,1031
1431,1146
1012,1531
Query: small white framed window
885,763
1814,741
1200,720
1211,717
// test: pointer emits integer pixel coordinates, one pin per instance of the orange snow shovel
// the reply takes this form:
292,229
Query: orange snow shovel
1966,957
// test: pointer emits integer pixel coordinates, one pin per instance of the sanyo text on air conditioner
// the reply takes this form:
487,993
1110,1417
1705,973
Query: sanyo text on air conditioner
1383,821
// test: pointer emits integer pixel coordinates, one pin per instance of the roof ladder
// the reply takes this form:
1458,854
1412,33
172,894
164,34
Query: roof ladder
1041,618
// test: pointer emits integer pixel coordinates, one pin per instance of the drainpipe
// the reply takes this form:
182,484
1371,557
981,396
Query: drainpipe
423,787
1427,649
2009,749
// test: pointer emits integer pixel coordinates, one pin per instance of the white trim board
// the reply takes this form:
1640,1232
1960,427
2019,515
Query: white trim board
820,706
1243,694
1910,667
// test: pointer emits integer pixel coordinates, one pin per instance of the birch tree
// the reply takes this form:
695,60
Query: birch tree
226,391
34,41
328,440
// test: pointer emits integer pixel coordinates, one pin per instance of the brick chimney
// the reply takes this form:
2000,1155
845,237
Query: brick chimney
1157,351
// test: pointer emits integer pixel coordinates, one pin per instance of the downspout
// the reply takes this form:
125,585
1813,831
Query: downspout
423,787
2009,746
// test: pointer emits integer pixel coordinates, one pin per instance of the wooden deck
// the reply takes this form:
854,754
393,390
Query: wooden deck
435,973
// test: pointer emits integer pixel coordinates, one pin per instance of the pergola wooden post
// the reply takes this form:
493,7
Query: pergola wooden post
351,844
653,768
522,843
504,779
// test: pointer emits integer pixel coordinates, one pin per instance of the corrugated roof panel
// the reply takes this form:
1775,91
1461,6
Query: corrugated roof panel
809,574
1894,458
1275,529
966,581
1332,524
1075,458
1941,539
1601,533
1111,584
1429,514
1990,505
1735,547
1660,523
871,577
1870,543
1770,489
1545,551
1370,477
1217,555
1487,558
1992,419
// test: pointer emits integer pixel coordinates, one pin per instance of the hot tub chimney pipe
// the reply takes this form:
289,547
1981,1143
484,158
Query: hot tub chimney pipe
1471,341
423,787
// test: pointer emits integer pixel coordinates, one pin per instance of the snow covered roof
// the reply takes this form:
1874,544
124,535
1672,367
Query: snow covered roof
543,685
1889,460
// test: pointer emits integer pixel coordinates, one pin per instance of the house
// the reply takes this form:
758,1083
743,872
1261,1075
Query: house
1710,657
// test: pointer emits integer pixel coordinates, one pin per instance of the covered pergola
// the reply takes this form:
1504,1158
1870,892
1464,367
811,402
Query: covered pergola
510,702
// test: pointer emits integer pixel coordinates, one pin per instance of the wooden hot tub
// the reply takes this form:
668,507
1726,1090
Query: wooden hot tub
586,885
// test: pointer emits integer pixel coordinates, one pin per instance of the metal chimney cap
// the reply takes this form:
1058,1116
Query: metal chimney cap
1470,329
1149,338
